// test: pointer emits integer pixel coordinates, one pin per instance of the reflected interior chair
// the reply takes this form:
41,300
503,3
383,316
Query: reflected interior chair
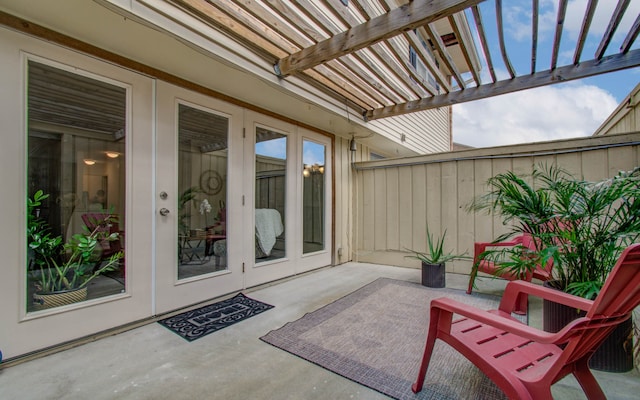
523,361
108,247
492,268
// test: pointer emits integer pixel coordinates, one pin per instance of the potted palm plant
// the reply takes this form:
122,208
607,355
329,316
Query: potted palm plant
433,261
583,226
61,271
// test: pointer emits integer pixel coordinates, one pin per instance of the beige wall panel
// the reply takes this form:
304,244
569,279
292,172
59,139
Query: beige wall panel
434,201
571,162
595,165
466,232
419,207
405,204
392,207
368,212
620,159
500,166
524,165
483,222
379,198
343,199
449,185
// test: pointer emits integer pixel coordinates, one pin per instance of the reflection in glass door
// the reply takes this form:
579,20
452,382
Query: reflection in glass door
270,194
202,170
313,196
76,187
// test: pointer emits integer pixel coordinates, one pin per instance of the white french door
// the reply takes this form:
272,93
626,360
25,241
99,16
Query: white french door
199,207
288,199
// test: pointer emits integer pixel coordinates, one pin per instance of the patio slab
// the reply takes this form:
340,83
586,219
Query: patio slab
151,362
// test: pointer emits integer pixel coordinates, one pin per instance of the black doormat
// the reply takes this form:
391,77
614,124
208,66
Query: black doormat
202,321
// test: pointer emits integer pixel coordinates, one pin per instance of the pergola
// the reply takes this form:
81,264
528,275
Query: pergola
368,53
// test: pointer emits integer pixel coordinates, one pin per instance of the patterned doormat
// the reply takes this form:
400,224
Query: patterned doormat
202,321
375,336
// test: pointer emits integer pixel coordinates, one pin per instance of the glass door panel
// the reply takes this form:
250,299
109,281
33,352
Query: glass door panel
270,194
203,142
76,186
313,196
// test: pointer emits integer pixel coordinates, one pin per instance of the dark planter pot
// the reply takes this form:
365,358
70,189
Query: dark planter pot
433,275
615,354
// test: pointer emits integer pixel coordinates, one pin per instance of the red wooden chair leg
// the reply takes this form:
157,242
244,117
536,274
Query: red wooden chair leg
428,349
587,381
472,279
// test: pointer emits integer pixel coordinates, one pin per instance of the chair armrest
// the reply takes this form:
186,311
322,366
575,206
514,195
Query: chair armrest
509,299
496,320
481,247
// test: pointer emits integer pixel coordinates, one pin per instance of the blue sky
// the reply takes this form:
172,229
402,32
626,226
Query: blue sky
566,110
312,153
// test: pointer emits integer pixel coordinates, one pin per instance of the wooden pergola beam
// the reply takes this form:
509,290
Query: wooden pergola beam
585,69
396,21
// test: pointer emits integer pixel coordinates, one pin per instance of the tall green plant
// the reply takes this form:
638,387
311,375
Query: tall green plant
582,225
55,266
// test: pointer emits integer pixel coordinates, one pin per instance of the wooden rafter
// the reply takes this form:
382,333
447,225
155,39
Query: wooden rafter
584,30
359,52
465,51
483,41
562,11
586,69
409,16
427,31
535,7
427,59
612,27
631,36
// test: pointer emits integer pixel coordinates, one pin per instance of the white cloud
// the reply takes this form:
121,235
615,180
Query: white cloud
547,113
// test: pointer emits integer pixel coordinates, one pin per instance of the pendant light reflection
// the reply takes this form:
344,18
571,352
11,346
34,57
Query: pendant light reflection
309,170
89,161
112,154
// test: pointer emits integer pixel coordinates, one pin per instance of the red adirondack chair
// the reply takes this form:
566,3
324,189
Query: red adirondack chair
523,361
489,267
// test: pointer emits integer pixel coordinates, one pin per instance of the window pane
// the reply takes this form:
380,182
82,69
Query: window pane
76,131
202,174
313,165
271,167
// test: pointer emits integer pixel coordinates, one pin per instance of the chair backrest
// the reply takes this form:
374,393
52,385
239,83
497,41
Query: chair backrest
621,291
614,304
91,220
541,272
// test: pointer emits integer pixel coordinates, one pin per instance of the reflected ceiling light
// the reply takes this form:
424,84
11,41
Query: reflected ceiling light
89,161
112,154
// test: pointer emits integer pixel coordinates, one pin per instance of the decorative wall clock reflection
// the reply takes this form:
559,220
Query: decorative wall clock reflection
211,182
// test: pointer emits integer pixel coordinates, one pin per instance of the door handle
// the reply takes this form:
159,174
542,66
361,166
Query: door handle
164,212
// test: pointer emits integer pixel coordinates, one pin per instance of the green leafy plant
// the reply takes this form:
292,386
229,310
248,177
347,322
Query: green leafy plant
583,226
56,266
185,198
436,253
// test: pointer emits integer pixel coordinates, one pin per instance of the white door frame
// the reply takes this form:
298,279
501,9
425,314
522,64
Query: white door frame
172,293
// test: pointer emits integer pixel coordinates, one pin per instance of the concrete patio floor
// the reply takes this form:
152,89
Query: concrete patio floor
150,362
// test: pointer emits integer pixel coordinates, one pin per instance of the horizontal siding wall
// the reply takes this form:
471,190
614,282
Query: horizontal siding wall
425,132
394,200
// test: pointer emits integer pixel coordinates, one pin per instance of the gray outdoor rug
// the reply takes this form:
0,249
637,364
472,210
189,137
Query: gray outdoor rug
375,336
